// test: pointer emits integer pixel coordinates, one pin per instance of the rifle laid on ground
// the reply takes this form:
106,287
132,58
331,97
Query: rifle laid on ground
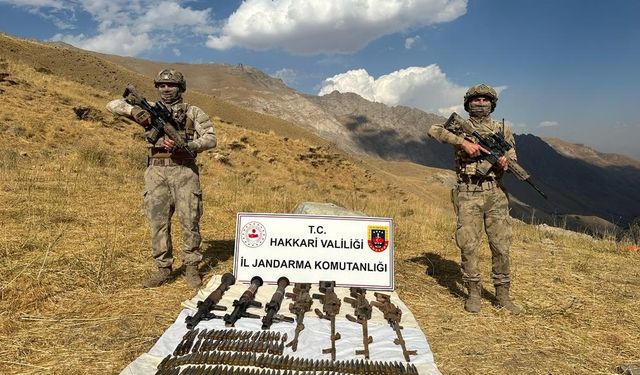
245,301
495,144
162,122
362,307
331,308
210,303
274,305
393,315
302,303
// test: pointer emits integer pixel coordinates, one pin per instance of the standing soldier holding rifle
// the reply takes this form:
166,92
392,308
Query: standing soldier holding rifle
480,197
175,132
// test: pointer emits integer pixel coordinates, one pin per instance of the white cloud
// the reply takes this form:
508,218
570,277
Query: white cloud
320,26
118,41
409,42
168,15
426,88
548,124
518,127
124,27
58,4
288,76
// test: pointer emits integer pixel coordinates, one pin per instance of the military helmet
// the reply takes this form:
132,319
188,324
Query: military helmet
481,90
171,76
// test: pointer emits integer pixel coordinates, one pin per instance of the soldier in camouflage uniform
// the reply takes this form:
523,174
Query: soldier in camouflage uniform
172,182
481,200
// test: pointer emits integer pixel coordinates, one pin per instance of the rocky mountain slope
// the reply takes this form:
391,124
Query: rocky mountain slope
587,189
75,244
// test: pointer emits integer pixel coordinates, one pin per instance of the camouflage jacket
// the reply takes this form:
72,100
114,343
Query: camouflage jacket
195,124
465,164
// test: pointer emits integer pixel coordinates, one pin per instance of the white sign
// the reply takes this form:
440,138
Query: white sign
352,251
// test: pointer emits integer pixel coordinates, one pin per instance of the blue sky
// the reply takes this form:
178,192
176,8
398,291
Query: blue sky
564,68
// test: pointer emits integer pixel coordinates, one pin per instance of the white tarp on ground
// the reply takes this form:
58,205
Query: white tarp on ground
313,338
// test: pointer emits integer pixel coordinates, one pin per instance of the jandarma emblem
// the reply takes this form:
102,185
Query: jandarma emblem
253,234
377,238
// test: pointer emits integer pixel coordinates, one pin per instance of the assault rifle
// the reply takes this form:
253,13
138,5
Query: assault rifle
245,301
210,303
331,308
274,305
302,303
495,144
162,121
393,315
362,307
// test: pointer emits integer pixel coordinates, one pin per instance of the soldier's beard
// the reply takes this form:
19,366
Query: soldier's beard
479,110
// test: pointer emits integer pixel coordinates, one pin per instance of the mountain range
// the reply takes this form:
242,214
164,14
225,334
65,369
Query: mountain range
587,190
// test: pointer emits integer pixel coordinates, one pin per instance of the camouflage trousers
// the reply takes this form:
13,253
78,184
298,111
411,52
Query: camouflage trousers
475,210
170,189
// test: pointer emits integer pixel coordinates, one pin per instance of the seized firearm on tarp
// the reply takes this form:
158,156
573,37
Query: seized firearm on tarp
274,306
393,315
210,303
245,301
302,302
494,143
358,301
331,308
162,122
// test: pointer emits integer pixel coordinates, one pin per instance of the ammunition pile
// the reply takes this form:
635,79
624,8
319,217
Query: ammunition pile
259,364
231,340
232,351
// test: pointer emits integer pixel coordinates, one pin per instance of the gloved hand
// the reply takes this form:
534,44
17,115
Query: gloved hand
140,116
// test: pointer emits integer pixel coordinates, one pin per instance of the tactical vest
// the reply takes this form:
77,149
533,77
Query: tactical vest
466,166
186,130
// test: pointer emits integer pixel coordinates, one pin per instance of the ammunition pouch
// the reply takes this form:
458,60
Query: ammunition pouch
161,158
168,162
472,183
140,116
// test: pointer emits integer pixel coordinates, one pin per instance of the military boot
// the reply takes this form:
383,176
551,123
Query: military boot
192,277
472,303
502,295
158,278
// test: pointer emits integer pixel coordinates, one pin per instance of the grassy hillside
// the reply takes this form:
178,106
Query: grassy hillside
75,250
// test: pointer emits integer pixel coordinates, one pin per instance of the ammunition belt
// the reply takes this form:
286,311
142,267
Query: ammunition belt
476,183
169,162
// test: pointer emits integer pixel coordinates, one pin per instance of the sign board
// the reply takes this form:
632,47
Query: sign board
350,250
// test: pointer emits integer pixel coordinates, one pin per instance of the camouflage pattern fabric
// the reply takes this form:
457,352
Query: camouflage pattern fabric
174,188
167,190
204,137
475,210
480,202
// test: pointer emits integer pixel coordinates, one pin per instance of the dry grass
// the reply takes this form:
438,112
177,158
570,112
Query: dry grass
74,247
